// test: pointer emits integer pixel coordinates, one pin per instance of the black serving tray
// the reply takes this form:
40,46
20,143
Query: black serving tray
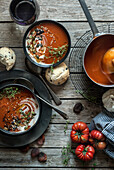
46,111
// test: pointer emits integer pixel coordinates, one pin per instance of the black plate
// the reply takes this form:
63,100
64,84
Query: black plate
45,116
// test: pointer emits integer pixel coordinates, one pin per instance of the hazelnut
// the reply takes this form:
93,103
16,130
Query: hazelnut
77,108
34,152
42,157
41,140
24,148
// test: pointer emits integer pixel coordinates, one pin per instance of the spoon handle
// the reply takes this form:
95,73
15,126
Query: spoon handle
37,72
89,17
64,115
53,95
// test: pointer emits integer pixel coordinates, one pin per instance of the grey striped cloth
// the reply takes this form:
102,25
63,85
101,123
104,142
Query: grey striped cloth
104,122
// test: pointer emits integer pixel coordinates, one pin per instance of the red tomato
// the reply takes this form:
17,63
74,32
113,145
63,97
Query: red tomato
97,139
85,153
80,132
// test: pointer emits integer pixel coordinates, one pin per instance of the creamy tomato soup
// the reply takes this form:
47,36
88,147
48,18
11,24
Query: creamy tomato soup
47,43
94,68
19,109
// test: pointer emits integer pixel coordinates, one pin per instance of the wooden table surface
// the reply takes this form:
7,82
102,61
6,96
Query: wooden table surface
70,14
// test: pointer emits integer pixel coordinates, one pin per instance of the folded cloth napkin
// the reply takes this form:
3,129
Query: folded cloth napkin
104,122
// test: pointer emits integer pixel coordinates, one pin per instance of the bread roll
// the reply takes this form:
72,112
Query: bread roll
108,61
108,100
7,57
59,74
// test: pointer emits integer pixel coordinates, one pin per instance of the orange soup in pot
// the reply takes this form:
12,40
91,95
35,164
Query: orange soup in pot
94,67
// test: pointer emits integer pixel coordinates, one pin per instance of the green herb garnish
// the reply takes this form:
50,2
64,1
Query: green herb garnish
30,36
58,52
19,121
51,68
9,92
26,127
37,56
1,96
66,126
53,116
90,98
42,26
66,150
28,46
33,113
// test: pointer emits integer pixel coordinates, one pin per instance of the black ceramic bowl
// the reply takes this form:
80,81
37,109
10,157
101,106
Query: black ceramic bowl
41,64
37,102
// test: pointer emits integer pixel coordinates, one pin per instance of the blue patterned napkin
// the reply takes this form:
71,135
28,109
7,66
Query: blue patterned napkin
104,122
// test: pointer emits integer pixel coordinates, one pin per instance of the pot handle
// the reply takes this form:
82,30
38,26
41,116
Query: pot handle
89,17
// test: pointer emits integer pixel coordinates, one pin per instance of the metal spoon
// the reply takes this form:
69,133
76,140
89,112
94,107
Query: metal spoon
37,70
27,83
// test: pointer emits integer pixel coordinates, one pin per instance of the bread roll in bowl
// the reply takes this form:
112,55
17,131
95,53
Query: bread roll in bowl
108,61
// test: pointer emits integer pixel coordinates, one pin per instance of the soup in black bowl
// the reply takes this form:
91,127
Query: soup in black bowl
19,108
46,43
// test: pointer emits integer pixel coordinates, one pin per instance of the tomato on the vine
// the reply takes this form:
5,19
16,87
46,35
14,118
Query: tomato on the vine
85,153
80,132
97,139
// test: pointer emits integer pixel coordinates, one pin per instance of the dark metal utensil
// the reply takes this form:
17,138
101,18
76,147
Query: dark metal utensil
27,83
37,70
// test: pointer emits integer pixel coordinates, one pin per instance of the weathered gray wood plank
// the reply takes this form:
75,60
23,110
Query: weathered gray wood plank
56,137
14,158
55,168
86,115
11,34
67,10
